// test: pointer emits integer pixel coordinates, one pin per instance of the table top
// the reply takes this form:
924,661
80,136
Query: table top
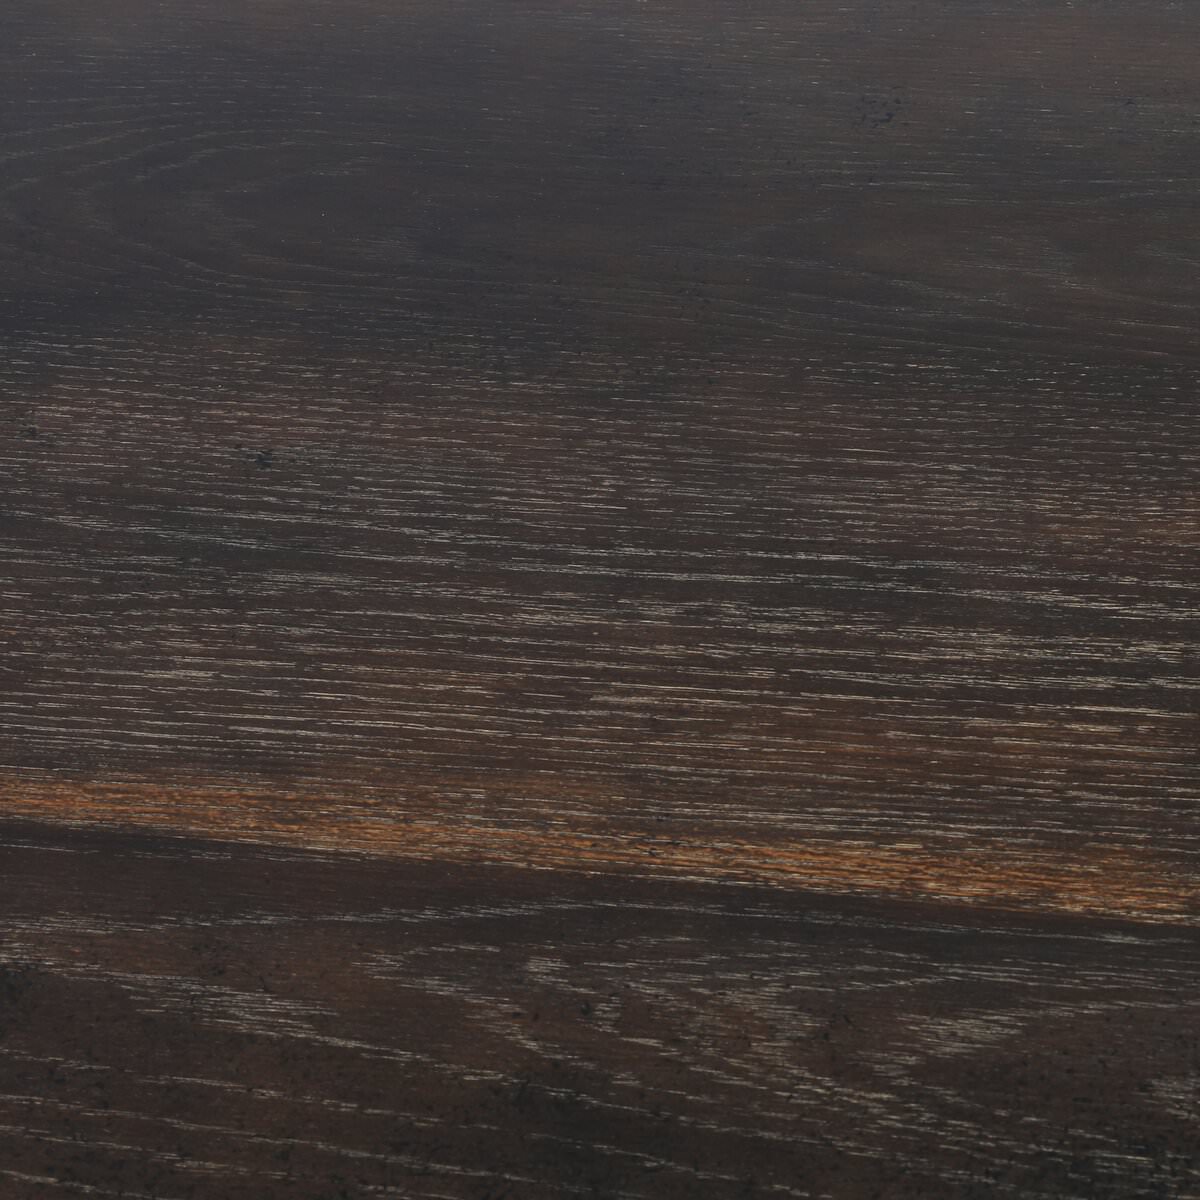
599,599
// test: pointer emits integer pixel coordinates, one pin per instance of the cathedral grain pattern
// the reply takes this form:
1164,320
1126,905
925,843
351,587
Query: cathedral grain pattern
599,599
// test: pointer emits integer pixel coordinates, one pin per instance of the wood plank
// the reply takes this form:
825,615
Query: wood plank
599,598
190,1019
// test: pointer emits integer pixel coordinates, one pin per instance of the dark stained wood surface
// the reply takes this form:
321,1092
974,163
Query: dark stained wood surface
189,1020
599,599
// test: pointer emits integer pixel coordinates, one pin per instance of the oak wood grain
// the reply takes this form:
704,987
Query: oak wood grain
599,599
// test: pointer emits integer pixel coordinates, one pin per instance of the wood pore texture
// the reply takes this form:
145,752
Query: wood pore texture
598,599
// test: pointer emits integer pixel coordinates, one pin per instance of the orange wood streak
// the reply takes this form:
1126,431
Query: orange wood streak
1101,882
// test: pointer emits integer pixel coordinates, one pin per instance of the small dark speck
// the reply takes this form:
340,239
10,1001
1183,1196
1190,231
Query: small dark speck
30,431
264,458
